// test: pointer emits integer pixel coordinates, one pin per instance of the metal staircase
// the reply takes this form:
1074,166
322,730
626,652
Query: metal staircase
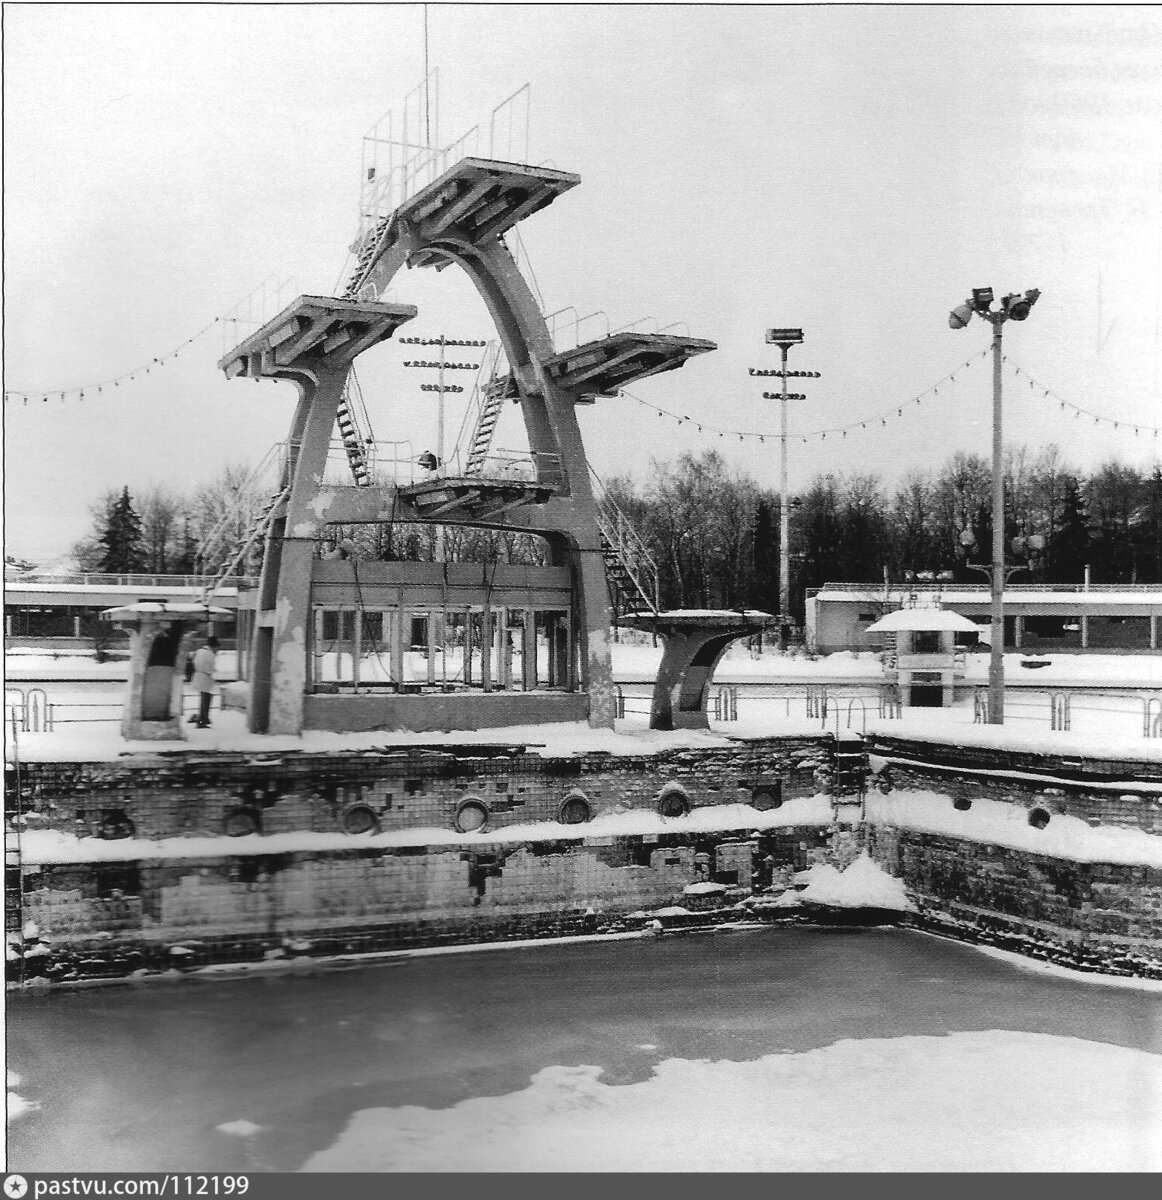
258,528
498,389
628,563
370,250
224,537
356,443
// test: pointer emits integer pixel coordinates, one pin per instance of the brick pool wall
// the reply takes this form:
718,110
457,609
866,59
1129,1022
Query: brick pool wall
186,795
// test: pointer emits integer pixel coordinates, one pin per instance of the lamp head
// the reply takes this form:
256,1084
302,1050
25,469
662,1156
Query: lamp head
1017,307
982,299
960,316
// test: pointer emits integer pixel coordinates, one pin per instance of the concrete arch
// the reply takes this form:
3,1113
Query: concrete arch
570,521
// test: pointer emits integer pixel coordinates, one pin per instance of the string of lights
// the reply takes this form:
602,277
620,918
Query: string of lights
1077,410
896,411
96,389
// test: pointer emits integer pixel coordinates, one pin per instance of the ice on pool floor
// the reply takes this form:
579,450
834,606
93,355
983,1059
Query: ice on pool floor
983,1101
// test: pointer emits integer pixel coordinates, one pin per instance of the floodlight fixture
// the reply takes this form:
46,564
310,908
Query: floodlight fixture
960,316
1017,307
982,299
784,337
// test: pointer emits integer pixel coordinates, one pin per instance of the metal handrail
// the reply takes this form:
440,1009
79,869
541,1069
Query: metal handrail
626,543
224,534
944,585
97,579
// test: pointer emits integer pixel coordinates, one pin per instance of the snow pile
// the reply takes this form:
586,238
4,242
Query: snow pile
996,1100
863,884
17,1105
996,823
241,1128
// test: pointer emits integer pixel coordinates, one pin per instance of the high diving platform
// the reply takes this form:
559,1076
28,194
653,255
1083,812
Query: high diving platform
601,367
476,200
473,497
313,332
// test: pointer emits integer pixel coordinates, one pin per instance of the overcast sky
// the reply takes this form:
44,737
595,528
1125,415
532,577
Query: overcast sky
851,170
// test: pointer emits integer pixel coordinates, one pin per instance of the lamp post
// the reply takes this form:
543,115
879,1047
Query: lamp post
784,339
427,460
1016,308
441,365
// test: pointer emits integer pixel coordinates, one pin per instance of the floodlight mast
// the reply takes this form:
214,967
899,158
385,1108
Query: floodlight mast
784,339
1016,308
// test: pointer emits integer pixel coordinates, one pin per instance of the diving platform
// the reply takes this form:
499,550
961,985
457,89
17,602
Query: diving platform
474,201
600,367
696,639
473,497
314,331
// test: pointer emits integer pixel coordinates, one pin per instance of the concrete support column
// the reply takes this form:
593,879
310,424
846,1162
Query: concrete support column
431,647
397,635
1084,632
486,648
280,650
528,651
1018,632
1154,632
694,645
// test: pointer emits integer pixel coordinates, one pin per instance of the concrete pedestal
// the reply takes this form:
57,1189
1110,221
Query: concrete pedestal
695,641
153,695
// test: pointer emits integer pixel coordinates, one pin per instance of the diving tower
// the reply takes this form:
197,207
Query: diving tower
541,631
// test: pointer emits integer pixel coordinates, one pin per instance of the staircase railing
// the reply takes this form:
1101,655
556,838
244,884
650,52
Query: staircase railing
628,561
225,534
483,410
354,425
257,530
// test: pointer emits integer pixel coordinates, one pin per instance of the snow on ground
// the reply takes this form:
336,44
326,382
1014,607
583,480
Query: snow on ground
1102,725
995,1100
1037,967
1112,733
102,741
17,1105
44,846
863,884
633,663
241,1128
999,824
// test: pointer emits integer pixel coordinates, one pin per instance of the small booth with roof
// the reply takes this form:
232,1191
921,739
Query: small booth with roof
158,639
922,655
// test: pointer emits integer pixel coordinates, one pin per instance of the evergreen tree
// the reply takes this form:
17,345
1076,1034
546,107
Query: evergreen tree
1068,551
765,587
121,541
186,561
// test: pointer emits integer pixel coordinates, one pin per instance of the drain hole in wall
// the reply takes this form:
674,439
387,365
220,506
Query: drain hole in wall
1038,818
472,815
575,810
359,818
241,822
674,803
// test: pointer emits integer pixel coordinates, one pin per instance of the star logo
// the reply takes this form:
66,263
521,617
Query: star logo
15,1186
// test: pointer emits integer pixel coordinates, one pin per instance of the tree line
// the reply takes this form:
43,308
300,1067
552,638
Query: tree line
165,531
714,532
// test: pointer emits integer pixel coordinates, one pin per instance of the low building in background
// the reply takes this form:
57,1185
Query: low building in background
1066,618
